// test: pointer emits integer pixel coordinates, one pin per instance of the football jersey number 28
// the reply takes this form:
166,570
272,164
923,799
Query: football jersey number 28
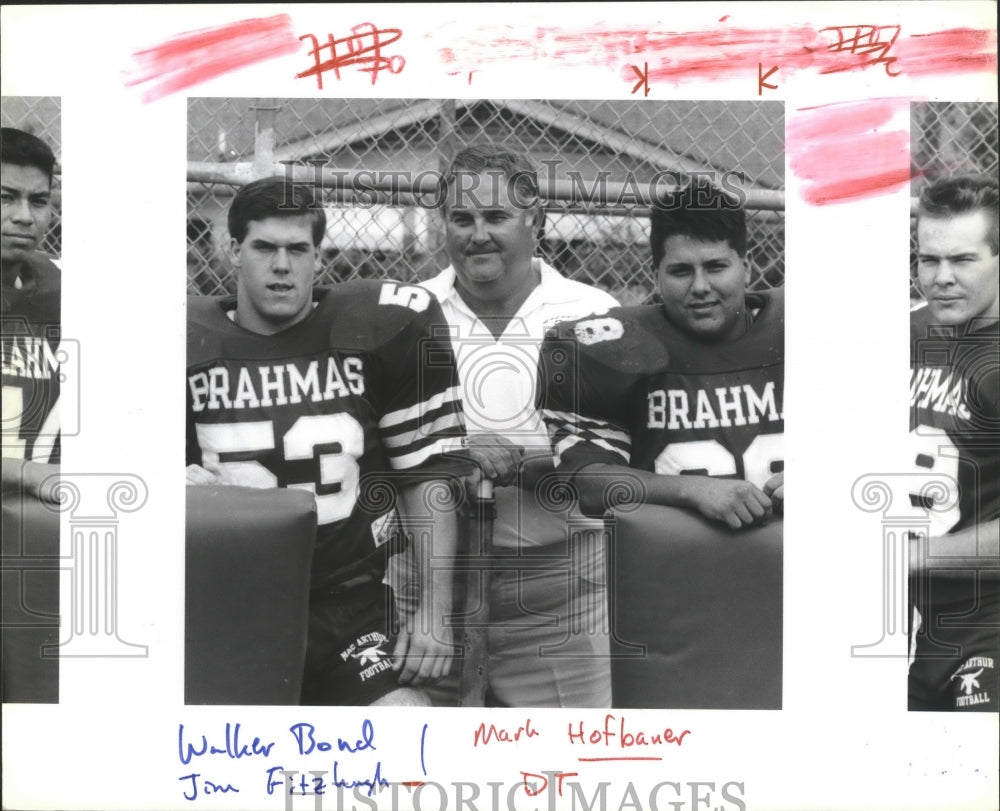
336,467
711,458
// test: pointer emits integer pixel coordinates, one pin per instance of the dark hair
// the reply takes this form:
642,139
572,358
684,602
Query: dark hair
700,211
24,149
274,197
963,194
482,158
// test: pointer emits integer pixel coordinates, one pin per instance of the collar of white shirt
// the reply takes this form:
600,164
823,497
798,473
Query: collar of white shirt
553,288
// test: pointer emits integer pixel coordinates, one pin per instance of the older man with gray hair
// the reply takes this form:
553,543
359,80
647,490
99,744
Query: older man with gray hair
547,642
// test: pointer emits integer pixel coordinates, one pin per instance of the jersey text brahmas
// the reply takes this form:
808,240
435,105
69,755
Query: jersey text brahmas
276,385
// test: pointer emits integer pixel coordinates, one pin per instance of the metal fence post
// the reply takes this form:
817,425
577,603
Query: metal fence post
474,678
265,117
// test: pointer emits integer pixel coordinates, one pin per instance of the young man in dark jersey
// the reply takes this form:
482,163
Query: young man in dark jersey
955,439
688,395
31,316
335,391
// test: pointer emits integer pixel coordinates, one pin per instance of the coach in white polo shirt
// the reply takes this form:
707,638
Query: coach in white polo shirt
548,645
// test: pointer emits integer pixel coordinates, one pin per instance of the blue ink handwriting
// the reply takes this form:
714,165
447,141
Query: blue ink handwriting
305,738
208,788
233,749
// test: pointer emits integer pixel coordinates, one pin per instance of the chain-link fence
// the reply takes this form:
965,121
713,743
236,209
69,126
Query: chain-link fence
954,137
41,116
372,159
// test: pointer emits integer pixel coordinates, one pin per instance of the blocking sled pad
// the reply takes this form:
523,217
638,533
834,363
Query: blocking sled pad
249,554
706,604
30,625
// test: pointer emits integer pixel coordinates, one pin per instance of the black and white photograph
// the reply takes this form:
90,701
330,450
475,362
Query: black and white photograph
955,410
608,277
410,425
31,243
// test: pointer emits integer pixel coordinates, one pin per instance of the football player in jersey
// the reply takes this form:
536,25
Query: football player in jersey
687,393
333,391
30,322
955,438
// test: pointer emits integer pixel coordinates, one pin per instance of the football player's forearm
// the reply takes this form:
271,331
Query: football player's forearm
976,548
433,549
598,485
38,479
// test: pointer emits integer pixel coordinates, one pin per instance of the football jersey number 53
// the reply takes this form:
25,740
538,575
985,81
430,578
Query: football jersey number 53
336,467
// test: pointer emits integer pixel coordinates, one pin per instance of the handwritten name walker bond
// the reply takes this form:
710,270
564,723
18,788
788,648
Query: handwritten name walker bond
353,766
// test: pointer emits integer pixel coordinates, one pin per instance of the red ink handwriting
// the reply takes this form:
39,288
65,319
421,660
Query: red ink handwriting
864,41
625,738
532,789
484,735
725,51
761,76
643,79
844,152
364,47
197,56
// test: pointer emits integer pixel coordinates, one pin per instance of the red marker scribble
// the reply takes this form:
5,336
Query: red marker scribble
841,151
957,50
727,52
197,56
870,42
364,47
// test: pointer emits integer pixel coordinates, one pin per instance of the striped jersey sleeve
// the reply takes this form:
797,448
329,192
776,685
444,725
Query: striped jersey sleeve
573,434
581,403
422,414
413,434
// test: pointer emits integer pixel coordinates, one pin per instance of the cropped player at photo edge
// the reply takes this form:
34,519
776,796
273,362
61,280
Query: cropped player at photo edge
955,435
32,440
31,318
287,382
